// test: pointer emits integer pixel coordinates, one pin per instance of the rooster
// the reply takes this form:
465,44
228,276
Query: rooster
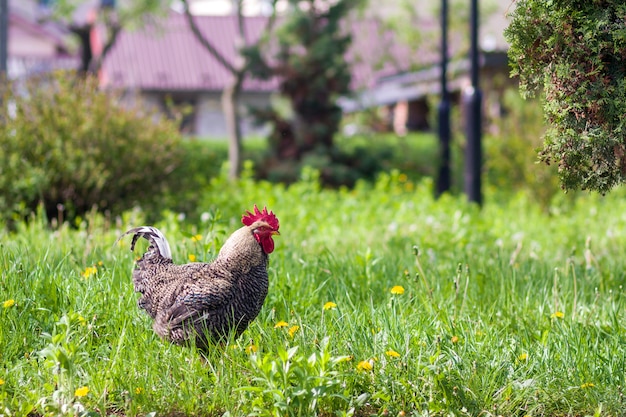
206,302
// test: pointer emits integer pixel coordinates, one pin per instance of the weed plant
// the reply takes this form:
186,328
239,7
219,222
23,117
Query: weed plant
383,301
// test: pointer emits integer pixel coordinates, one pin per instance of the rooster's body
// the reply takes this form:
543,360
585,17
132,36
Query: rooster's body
206,301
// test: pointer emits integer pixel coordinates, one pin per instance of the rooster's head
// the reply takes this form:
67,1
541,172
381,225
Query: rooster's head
263,225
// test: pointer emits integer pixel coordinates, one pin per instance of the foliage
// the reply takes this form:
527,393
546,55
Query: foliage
416,26
575,52
511,153
70,147
310,65
287,383
382,299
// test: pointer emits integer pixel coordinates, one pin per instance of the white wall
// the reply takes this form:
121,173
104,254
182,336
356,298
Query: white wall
210,121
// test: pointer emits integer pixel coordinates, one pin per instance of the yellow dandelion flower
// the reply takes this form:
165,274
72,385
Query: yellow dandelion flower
455,339
281,324
89,271
402,178
365,366
196,238
588,385
392,353
192,257
138,390
82,320
397,290
557,315
81,392
8,303
523,357
1,381
329,305
251,349
292,330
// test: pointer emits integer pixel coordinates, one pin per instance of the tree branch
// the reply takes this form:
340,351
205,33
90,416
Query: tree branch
204,41
271,20
114,28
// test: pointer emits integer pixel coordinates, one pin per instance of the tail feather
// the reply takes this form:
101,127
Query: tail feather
158,243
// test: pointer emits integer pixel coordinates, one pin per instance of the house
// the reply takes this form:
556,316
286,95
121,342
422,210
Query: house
405,94
34,44
166,63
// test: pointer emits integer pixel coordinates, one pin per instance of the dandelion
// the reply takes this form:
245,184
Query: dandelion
330,305
196,238
8,303
138,390
1,381
100,263
455,339
251,349
89,271
281,324
523,357
81,392
557,315
192,257
365,366
392,353
587,385
402,178
397,290
292,330
82,320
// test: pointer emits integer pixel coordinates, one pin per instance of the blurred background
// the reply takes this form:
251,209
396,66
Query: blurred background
113,104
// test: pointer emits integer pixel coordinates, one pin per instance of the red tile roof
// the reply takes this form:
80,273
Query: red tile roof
168,57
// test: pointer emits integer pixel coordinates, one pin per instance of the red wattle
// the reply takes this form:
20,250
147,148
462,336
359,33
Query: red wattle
268,245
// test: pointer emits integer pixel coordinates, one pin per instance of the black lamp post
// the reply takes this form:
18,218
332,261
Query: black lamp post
472,101
443,128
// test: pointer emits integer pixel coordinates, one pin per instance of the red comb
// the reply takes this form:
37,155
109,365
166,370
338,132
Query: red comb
248,218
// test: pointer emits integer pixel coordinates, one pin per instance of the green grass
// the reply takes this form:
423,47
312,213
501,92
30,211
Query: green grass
510,310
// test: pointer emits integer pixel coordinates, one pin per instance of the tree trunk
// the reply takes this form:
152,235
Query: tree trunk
230,104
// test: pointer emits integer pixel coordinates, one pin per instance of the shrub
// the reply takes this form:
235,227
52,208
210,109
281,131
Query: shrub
72,147
574,52
511,160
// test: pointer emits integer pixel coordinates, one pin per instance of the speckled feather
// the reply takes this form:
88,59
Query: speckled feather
201,300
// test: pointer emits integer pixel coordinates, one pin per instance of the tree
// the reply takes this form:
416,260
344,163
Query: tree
309,61
574,52
239,68
107,17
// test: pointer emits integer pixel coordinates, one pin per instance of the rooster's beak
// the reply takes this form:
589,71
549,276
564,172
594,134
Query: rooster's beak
275,232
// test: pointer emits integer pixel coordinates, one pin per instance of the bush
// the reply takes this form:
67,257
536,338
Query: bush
511,160
573,52
71,147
